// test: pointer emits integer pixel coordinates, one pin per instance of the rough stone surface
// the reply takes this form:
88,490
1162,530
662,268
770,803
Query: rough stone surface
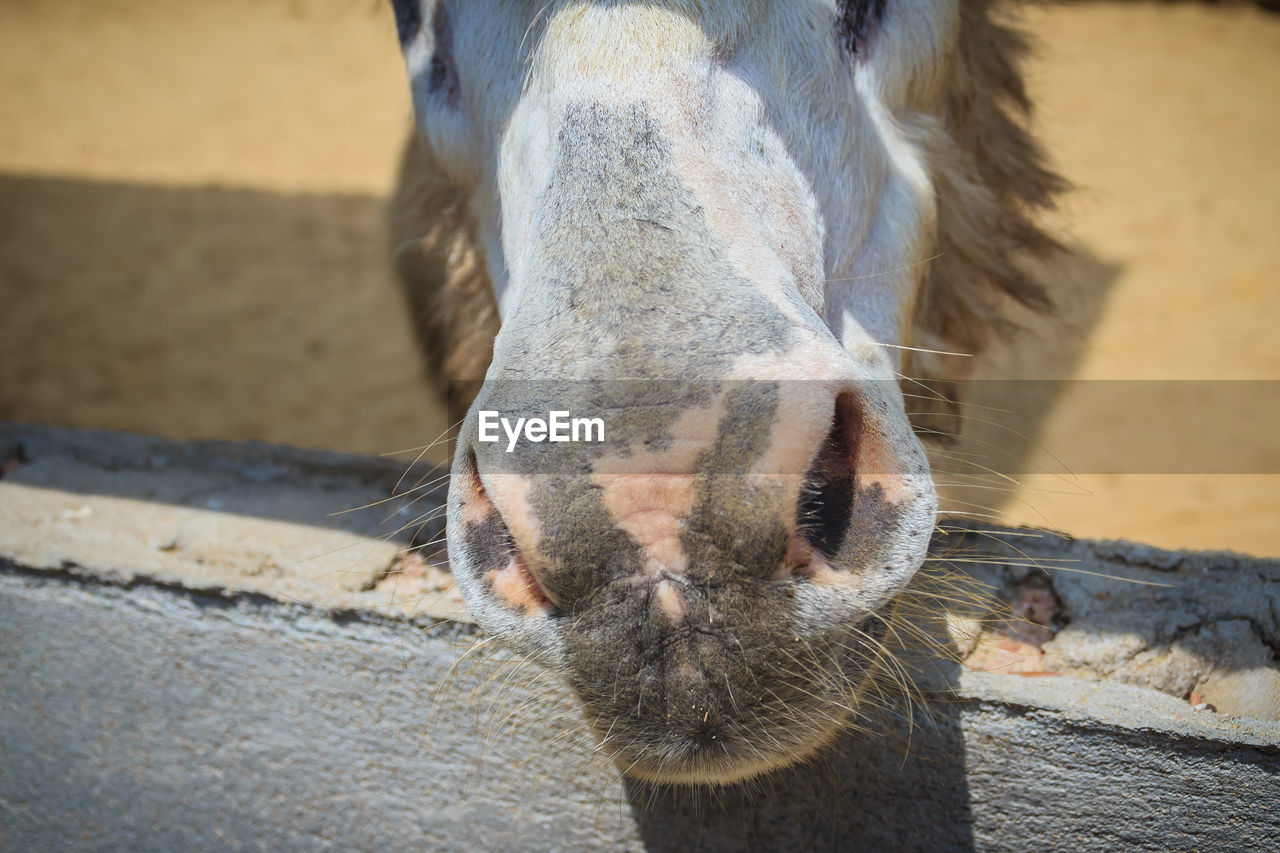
302,526
151,701
1182,623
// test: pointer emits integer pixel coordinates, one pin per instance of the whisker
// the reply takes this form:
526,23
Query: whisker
903,268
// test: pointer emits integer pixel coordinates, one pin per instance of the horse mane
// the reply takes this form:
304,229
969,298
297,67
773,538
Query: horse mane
991,179
990,176
452,307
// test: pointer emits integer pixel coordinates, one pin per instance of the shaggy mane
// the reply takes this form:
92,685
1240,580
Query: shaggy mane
437,256
990,179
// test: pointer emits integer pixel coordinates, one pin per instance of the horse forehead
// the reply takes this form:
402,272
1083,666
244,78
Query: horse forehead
612,38
779,45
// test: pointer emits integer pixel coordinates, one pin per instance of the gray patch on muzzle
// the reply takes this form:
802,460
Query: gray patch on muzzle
626,281
626,278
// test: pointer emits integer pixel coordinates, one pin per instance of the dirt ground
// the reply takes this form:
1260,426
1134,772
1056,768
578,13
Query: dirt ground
192,242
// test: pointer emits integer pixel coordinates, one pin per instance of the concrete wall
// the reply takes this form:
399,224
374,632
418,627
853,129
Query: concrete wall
196,654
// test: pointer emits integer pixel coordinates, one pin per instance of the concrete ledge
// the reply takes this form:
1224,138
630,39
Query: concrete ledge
198,655
296,526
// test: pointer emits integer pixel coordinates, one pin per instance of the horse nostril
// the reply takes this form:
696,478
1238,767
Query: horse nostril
826,498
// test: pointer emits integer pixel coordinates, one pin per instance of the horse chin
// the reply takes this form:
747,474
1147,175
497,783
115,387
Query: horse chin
694,764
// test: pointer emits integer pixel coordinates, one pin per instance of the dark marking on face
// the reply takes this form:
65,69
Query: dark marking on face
739,525
878,520
408,19
858,19
489,542
442,73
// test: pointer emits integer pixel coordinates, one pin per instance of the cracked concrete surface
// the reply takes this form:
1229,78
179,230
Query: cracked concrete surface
200,654
302,526
1186,624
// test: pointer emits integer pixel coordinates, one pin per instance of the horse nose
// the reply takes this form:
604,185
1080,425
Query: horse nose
685,483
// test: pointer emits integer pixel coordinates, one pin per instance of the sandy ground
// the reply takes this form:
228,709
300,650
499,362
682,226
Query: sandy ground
191,238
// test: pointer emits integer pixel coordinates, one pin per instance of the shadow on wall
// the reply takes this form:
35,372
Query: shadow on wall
1016,385
206,312
242,314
